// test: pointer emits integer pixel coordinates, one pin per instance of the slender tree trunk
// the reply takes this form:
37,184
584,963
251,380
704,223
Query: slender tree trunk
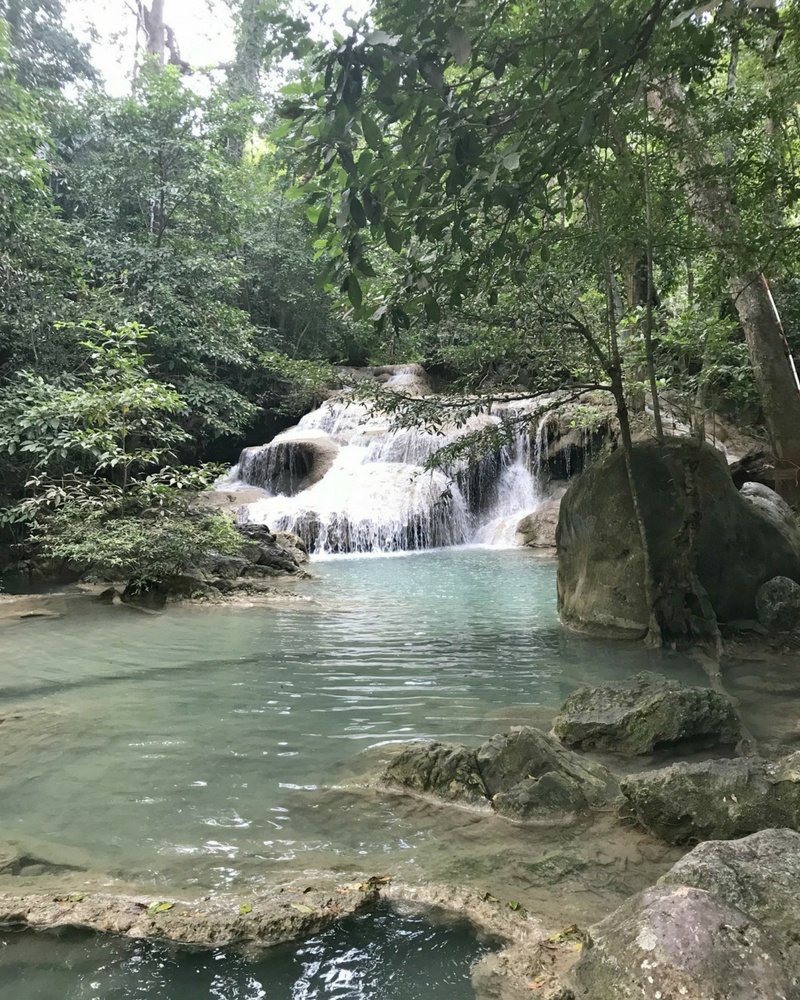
773,368
151,22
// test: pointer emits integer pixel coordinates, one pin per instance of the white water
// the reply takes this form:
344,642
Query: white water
345,481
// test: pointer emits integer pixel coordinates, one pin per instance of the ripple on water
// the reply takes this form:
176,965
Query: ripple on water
140,735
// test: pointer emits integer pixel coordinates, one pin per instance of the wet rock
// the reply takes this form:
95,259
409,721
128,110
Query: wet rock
288,464
759,874
778,604
678,942
646,713
529,775
280,916
294,544
446,770
738,545
525,774
538,530
716,799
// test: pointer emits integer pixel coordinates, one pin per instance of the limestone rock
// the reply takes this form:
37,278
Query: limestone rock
772,506
524,773
675,942
538,530
738,544
447,770
288,464
778,604
530,776
278,916
645,713
759,874
716,799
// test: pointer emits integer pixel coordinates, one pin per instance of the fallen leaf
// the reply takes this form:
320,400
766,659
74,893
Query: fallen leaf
76,897
302,908
245,908
161,907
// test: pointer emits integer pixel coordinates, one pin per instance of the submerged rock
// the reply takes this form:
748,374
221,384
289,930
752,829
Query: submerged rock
446,770
716,799
644,714
524,774
676,942
738,544
778,604
759,874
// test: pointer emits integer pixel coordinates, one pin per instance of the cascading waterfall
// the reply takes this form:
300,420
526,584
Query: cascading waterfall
345,481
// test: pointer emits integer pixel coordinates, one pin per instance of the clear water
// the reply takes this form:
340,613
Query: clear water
222,748
348,962
208,745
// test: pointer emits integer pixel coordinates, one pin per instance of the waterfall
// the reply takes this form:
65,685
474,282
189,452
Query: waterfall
345,481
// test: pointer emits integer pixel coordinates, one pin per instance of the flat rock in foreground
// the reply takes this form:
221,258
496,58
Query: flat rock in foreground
646,713
716,799
270,918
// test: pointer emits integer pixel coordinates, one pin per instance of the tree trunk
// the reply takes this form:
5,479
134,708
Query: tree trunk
151,22
773,368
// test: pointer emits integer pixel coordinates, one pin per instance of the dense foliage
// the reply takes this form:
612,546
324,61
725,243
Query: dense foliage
573,195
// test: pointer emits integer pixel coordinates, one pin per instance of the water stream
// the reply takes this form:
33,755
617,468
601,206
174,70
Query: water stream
229,747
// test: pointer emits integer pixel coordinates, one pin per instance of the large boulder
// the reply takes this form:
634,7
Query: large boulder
529,775
289,464
537,530
524,774
646,713
778,604
759,874
675,942
716,799
738,545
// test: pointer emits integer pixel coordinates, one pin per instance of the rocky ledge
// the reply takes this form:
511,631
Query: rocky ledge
284,914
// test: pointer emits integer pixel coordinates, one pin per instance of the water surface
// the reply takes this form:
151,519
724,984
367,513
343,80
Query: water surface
220,747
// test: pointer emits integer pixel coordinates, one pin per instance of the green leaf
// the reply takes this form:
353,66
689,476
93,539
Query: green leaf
353,289
161,907
511,161
372,133
432,310
245,908
357,213
393,236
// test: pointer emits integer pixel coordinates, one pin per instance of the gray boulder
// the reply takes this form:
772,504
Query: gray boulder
778,604
523,774
759,874
538,530
716,799
645,713
529,775
447,770
674,942
738,544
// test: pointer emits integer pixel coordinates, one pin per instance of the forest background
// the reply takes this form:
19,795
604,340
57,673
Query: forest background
541,197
